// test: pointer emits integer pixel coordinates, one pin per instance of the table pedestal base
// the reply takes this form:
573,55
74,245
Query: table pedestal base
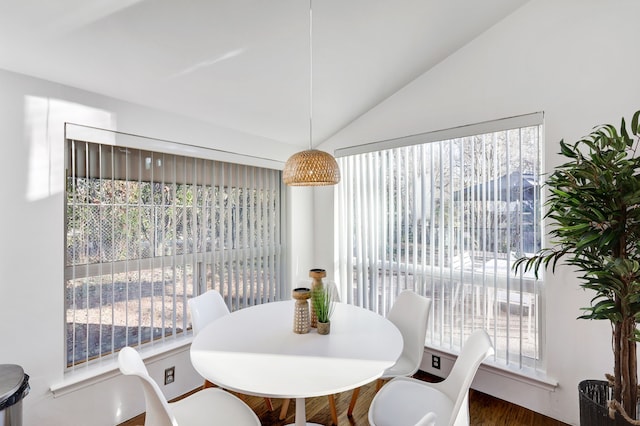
301,414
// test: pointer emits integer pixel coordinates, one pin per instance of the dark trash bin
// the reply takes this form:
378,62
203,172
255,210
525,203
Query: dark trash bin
14,386
594,395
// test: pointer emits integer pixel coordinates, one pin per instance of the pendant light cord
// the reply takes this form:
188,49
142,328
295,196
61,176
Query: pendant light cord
310,74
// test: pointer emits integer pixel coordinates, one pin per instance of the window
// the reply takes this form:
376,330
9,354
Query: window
446,214
145,231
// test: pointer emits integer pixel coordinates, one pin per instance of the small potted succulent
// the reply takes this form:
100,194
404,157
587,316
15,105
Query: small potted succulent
323,301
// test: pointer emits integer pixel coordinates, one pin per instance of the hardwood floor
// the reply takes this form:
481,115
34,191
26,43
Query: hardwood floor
484,410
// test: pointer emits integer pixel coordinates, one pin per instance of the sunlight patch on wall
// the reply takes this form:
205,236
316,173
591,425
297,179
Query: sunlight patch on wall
44,135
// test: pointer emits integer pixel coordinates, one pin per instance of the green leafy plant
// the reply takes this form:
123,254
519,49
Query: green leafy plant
323,301
594,206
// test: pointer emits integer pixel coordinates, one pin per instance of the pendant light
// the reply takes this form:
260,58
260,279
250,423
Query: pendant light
311,167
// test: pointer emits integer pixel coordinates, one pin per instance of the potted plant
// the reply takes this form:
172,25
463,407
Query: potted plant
323,301
594,206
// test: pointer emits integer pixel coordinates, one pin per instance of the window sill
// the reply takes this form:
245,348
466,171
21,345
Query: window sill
98,371
525,375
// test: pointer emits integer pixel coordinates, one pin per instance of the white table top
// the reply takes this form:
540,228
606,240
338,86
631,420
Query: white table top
255,351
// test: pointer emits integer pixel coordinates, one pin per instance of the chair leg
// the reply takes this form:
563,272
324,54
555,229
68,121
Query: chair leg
356,392
352,404
267,401
332,407
208,384
284,409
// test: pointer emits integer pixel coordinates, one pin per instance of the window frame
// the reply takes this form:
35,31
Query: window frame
511,361
275,247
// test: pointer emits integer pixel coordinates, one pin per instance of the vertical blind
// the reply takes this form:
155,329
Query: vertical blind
145,231
447,219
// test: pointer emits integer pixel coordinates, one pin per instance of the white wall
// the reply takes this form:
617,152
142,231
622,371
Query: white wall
576,61
32,116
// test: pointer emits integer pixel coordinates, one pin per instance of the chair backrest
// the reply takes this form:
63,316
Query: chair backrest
456,386
205,308
410,313
158,412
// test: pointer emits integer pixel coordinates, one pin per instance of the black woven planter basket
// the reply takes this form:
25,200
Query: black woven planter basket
594,395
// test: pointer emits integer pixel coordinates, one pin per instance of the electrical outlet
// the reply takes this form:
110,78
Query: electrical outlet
435,362
169,375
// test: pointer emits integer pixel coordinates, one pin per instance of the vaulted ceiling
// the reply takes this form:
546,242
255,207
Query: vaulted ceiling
243,64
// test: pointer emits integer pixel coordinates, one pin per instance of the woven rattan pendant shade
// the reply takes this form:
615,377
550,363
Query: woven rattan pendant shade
311,168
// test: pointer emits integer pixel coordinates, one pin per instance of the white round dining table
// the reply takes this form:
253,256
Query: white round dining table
255,351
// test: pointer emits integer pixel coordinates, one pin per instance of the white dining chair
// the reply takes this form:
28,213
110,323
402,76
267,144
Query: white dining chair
211,406
207,307
408,401
410,313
